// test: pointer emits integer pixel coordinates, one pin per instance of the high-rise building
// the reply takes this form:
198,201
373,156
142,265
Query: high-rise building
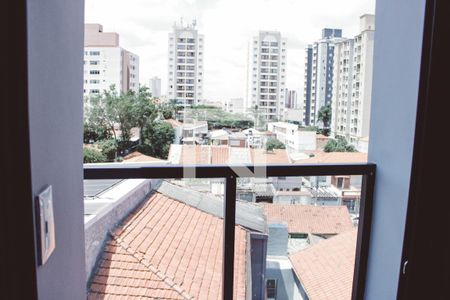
352,86
291,99
266,78
185,80
319,74
155,86
106,63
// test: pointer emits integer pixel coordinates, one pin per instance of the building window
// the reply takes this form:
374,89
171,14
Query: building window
94,53
94,72
271,286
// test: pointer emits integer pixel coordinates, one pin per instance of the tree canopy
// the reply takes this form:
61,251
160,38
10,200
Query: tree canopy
273,143
156,138
339,144
324,115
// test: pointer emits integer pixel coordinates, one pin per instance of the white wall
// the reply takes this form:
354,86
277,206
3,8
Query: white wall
397,54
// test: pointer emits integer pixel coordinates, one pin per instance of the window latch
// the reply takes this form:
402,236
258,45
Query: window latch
404,267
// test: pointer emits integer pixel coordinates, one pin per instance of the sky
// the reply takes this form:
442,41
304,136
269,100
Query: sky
228,25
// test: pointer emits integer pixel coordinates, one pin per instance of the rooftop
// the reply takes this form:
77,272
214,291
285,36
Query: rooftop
139,157
309,218
325,270
335,157
169,249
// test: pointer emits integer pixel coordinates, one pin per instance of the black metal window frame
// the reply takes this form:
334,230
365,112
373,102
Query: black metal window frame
230,173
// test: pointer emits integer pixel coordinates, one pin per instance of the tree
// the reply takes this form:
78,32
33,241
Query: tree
112,109
109,149
324,115
273,143
93,133
91,155
339,144
156,138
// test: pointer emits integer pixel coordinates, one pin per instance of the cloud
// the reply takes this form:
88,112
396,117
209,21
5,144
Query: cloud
228,25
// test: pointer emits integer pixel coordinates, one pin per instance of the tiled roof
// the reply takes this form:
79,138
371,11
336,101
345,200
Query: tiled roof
139,157
261,156
325,269
167,249
335,157
309,218
205,154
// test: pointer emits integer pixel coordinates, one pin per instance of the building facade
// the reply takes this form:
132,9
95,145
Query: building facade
319,74
234,105
185,72
106,63
266,78
352,86
155,86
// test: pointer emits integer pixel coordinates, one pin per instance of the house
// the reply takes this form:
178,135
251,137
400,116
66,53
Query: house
178,129
294,139
194,132
238,139
171,247
293,228
255,138
219,137
325,270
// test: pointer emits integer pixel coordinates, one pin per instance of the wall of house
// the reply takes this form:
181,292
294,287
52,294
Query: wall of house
55,83
397,54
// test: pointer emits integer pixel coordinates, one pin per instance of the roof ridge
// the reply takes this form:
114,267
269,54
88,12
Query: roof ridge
143,260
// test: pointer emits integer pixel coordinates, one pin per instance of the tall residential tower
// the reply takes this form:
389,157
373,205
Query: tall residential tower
266,79
318,84
106,63
352,86
185,80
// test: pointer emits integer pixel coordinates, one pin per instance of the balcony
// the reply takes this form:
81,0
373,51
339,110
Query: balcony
235,180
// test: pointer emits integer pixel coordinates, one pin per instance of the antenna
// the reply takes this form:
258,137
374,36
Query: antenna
194,23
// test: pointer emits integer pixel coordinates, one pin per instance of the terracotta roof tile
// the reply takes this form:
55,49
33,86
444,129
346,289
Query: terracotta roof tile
167,250
309,218
139,157
335,157
261,156
325,270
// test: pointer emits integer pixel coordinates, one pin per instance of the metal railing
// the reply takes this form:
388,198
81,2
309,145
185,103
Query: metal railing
230,173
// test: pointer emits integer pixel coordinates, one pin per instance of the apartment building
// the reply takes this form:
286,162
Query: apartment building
106,63
185,71
352,84
155,86
234,105
318,82
291,99
266,79
294,139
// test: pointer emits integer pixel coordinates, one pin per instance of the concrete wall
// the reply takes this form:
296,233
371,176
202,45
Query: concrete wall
397,54
55,74
97,229
278,240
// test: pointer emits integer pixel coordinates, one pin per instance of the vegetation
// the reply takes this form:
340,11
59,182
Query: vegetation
273,143
110,116
91,155
218,118
324,115
339,144
156,138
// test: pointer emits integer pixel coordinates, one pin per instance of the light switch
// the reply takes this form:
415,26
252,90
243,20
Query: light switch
46,224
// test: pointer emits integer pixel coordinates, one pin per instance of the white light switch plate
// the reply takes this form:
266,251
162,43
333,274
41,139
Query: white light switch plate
46,224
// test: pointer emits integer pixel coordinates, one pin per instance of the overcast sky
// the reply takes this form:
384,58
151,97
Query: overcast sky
143,26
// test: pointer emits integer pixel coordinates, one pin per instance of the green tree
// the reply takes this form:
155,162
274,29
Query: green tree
109,149
93,133
339,144
91,155
324,115
273,143
156,138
